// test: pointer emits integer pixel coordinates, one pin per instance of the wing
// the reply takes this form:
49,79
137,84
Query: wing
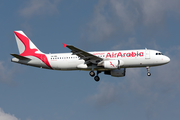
88,57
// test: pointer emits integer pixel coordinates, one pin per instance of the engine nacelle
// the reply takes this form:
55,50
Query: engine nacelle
116,73
113,64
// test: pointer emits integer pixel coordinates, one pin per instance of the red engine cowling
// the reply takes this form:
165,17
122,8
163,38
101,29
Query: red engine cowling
116,73
113,64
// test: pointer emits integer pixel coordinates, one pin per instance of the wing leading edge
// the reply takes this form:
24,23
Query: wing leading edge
88,57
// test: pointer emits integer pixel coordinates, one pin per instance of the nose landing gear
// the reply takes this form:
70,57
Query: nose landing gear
148,73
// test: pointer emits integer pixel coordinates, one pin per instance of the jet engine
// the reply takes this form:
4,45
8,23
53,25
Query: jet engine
113,64
116,73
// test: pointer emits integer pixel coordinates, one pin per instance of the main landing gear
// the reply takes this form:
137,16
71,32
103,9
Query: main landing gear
148,73
92,74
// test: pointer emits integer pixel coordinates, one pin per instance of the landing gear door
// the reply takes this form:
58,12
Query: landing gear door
147,54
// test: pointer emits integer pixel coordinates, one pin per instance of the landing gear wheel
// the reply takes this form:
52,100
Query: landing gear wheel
149,74
96,78
92,73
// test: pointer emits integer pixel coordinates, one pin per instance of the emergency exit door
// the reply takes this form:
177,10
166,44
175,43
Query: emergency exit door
147,54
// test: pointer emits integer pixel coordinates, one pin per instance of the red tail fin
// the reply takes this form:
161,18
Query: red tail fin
27,48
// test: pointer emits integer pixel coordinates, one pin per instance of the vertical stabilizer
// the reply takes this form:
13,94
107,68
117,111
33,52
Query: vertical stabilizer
25,45
27,48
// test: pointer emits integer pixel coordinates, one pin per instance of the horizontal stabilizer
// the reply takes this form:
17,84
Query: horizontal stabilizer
20,57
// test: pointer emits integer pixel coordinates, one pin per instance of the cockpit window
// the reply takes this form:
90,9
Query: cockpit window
159,54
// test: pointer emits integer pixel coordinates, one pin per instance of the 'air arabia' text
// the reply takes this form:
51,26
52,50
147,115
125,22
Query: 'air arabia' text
129,54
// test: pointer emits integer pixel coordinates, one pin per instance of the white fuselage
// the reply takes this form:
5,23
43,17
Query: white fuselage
130,58
112,63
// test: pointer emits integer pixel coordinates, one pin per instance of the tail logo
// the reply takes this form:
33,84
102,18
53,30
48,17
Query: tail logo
112,64
31,52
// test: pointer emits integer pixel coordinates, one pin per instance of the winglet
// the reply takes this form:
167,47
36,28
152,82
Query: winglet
64,44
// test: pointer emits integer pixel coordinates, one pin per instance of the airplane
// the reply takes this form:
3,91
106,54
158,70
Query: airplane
112,63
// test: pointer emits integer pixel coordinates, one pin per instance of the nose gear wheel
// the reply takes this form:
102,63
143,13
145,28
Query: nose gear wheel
148,73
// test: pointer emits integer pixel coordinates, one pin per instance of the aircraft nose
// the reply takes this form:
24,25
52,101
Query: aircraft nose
167,59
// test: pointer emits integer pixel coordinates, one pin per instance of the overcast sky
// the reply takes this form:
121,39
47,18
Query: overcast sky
29,93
